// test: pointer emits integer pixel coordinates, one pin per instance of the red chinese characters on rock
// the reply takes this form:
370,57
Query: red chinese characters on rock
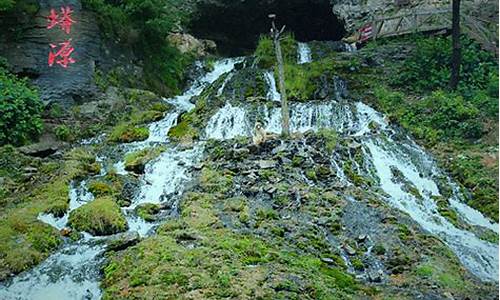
64,20
61,54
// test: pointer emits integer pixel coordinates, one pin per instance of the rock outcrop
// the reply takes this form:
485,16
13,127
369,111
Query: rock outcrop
28,54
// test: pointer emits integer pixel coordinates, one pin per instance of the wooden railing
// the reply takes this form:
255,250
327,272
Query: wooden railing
414,22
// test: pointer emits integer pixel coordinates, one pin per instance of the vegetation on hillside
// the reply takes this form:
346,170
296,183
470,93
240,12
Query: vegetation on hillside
20,110
144,26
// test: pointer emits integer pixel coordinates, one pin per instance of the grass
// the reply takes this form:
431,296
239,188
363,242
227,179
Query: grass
102,216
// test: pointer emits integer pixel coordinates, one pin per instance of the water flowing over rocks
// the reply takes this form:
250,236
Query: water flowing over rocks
348,189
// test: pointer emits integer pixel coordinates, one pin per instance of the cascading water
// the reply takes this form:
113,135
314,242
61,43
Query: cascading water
385,155
73,271
304,53
272,92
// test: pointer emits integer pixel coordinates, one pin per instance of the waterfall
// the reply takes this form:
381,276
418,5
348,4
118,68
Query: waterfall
304,53
272,92
479,256
381,152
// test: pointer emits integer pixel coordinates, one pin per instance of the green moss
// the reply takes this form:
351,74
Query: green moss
379,249
127,133
136,161
148,211
99,188
357,264
404,232
223,264
99,217
330,138
311,175
265,54
214,181
25,241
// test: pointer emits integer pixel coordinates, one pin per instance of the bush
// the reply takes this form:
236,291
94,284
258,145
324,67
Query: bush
63,133
439,115
20,110
428,68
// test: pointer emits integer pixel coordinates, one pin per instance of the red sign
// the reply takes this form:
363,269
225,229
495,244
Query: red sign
62,56
365,32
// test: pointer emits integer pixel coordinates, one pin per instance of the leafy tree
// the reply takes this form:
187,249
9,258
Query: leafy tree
6,4
20,110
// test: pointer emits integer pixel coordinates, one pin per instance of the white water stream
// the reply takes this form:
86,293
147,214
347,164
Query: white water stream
73,271
303,53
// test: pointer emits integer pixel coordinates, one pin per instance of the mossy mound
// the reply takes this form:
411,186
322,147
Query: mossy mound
137,161
148,211
127,133
99,217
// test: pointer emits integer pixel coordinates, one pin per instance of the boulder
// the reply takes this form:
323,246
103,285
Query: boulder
122,241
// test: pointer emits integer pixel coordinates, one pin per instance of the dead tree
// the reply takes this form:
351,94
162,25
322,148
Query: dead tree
285,113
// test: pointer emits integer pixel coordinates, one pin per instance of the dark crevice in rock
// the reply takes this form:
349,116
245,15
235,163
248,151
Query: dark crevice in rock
236,25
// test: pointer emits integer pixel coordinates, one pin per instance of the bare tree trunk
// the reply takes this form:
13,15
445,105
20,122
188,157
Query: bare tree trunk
285,113
456,56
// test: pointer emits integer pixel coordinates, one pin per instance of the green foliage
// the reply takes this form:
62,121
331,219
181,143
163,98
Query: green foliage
63,133
20,110
266,55
437,116
99,217
472,174
330,137
428,68
6,4
144,26
148,211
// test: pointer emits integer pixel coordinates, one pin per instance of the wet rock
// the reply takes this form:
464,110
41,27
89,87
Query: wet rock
349,250
361,237
375,276
122,241
266,164
328,260
66,231
198,167
42,149
240,154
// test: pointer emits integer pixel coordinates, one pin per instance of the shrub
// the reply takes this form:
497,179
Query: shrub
428,68
63,133
20,110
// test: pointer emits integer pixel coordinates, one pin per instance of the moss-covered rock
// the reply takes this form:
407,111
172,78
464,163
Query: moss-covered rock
148,211
137,161
127,133
99,217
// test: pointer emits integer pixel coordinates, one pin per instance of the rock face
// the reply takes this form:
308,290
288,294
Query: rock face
29,54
